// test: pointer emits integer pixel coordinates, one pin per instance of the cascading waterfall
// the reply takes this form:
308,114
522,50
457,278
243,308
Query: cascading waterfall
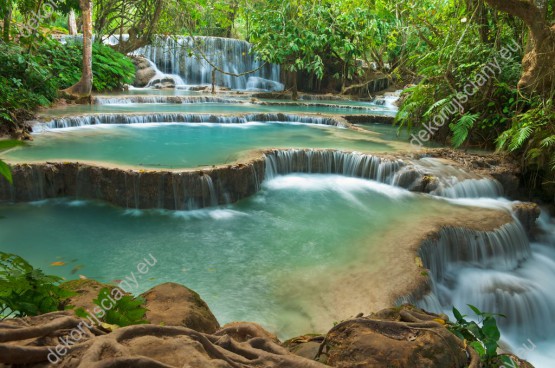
78,121
281,162
469,188
164,99
498,272
502,249
180,55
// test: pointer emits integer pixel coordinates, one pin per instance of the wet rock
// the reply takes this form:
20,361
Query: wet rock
171,304
509,180
306,346
244,331
141,189
527,213
163,83
370,119
397,337
144,71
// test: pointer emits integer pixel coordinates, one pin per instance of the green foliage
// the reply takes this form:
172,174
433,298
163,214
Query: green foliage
532,134
461,44
25,83
32,79
120,310
462,128
4,168
483,336
111,70
315,36
27,291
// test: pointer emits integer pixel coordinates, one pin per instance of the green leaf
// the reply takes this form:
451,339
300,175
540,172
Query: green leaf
475,310
462,128
489,327
480,349
6,172
458,315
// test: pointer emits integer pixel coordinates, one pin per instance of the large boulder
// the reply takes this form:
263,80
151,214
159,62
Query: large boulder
394,338
172,304
144,71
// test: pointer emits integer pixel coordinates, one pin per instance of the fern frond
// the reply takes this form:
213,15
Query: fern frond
520,137
461,128
548,142
438,104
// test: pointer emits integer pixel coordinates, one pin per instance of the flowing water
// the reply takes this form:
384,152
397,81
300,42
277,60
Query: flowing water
214,108
283,257
242,259
193,59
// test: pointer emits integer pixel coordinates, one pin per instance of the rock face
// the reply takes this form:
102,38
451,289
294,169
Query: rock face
144,71
527,213
172,304
394,338
179,190
36,341
244,331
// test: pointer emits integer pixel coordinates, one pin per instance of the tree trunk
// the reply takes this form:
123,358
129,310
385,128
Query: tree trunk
538,72
83,88
72,23
7,21
295,91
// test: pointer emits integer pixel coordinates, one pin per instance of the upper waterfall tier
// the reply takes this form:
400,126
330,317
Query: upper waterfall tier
194,58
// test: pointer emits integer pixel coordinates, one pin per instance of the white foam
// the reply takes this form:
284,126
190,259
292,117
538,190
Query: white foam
346,186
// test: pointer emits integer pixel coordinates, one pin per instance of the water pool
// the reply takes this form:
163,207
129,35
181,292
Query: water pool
187,145
275,258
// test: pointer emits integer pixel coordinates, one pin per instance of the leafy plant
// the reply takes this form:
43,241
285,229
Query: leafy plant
124,311
27,291
111,69
461,128
4,168
483,336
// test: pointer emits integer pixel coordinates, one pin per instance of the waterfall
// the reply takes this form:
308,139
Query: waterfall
453,182
281,162
78,121
188,189
164,99
180,56
502,249
497,271
470,188
208,191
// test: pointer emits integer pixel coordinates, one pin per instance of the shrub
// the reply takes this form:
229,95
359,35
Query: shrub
27,291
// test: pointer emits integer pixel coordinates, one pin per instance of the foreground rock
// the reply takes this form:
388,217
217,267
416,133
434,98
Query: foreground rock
172,304
395,338
34,341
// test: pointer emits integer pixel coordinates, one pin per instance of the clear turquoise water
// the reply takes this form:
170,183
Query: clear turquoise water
185,145
244,259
